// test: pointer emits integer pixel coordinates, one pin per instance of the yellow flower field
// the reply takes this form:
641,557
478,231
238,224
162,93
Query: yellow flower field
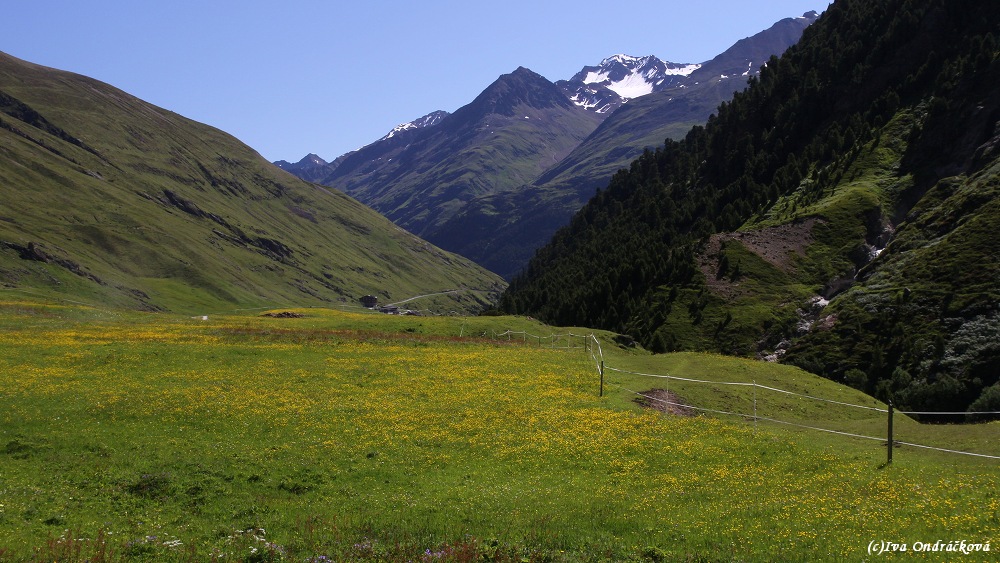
386,445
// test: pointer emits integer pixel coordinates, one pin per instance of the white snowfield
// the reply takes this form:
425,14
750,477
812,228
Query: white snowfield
643,77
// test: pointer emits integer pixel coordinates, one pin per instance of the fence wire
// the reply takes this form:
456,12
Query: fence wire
756,417
596,355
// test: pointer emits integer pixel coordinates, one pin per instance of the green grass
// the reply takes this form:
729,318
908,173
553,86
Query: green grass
801,409
150,437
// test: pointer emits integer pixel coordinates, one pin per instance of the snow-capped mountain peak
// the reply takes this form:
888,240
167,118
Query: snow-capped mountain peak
631,77
428,120
620,78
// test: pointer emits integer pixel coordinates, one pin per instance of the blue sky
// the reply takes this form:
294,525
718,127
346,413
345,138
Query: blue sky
294,77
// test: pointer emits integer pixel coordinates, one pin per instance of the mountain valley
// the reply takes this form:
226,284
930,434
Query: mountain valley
495,199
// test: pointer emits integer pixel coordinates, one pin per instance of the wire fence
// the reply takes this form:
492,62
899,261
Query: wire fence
567,340
592,346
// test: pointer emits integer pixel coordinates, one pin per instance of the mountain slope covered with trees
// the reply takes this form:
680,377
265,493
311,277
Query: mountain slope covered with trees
840,214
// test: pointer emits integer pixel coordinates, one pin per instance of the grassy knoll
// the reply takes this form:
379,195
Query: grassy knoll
348,436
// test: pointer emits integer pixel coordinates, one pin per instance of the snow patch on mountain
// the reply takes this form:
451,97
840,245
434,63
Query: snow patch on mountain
619,78
590,101
681,70
632,86
631,77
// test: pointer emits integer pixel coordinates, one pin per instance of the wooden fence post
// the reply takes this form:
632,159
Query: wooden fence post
889,459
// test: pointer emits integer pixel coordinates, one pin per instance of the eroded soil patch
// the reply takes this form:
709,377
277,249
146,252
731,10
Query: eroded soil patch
665,401
780,246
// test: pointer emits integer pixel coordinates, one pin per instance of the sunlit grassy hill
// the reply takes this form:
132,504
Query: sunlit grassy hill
106,198
339,435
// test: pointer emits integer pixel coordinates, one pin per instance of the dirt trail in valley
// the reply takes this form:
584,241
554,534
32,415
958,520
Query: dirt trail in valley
665,401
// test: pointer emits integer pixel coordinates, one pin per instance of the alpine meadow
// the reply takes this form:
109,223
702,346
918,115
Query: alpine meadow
772,336
344,436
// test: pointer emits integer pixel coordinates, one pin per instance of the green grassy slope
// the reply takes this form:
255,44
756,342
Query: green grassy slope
931,297
153,437
113,200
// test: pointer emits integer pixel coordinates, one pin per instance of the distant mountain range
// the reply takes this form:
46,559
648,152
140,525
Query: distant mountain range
110,200
421,173
311,168
503,230
493,180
